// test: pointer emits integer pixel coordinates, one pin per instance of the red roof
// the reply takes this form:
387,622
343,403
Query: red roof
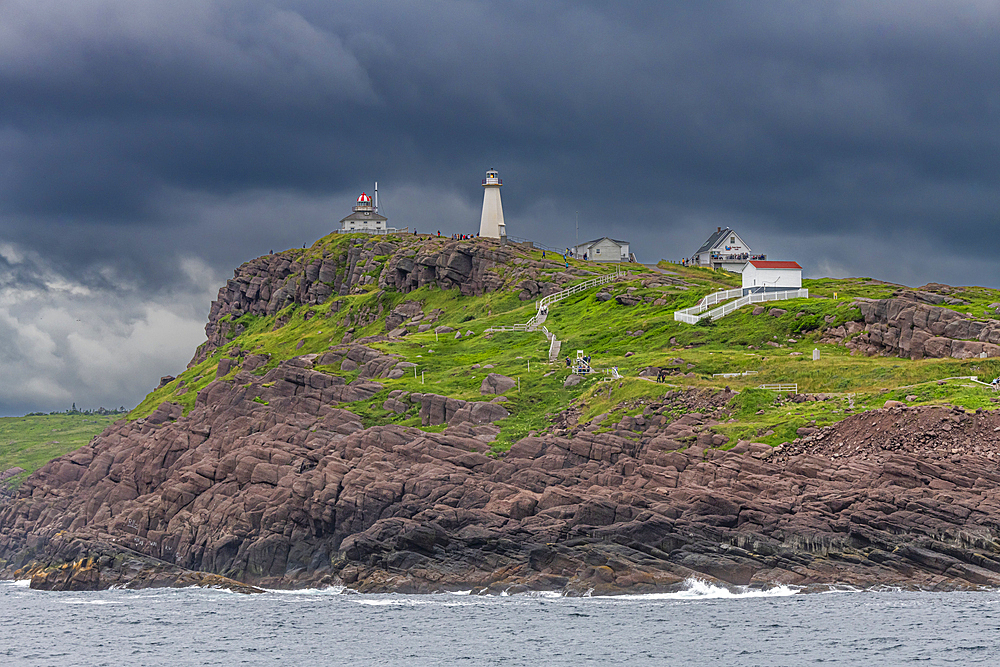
364,198
762,264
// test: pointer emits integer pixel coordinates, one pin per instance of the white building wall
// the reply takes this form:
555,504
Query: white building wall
491,225
771,278
604,250
736,245
364,224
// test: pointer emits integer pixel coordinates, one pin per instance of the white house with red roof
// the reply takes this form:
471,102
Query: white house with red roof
771,276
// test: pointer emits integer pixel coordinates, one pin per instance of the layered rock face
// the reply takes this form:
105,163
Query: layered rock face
266,285
907,328
265,483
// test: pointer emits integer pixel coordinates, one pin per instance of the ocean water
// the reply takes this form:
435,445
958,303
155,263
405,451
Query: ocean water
703,625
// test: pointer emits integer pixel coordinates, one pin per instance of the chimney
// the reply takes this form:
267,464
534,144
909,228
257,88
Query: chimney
718,229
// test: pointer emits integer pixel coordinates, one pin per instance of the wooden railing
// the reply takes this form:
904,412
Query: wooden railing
695,313
794,388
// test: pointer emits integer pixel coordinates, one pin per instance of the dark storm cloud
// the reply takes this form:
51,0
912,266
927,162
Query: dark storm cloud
147,148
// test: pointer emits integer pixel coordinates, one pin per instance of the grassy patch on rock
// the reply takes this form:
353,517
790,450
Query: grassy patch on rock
31,442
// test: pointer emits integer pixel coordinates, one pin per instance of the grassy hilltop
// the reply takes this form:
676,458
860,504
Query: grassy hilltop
31,442
631,338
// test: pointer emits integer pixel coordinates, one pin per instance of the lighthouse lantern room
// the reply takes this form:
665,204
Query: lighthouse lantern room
364,218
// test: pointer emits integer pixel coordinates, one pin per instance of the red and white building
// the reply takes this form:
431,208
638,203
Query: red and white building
771,276
365,218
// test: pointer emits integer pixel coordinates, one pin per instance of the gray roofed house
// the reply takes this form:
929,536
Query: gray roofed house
604,249
724,249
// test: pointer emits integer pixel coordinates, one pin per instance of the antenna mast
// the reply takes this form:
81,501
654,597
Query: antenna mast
376,196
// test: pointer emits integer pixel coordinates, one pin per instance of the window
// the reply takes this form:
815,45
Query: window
598,251
732,239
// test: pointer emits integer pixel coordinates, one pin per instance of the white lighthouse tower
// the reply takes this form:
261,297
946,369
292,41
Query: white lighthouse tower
491,225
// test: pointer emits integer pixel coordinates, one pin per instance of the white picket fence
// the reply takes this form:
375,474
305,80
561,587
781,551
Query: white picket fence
542,310
794,388
542,305
698,312
545,301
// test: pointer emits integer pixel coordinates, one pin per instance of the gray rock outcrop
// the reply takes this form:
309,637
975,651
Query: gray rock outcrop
494,383
911,328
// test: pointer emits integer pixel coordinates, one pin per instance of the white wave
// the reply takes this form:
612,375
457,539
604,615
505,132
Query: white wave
22,583
330,590
843,588
409,601
79,601
699,589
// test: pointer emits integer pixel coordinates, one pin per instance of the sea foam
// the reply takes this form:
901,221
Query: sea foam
699,589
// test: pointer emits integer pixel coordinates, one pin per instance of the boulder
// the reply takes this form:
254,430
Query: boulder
627,299
494,383
572,381
11,472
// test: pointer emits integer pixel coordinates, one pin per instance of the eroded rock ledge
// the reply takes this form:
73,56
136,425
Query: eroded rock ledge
906,327
266,285
296,492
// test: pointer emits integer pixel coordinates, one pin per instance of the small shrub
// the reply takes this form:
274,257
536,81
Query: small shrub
808,323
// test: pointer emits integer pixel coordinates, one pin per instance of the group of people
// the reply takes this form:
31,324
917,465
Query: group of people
739,257
582,367
742,256
460,237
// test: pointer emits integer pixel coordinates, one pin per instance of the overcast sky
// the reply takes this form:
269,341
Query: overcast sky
148,148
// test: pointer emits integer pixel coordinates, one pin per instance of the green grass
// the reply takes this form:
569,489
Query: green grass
31,442
632,338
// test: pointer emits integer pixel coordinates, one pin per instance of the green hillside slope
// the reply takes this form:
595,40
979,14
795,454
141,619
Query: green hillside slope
630,338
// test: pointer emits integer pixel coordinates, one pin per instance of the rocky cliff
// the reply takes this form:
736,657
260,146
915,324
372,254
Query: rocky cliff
268,284
907,327
267,484
285,471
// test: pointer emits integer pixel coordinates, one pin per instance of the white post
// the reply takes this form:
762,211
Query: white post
529,365
421,377
436,337
414,372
